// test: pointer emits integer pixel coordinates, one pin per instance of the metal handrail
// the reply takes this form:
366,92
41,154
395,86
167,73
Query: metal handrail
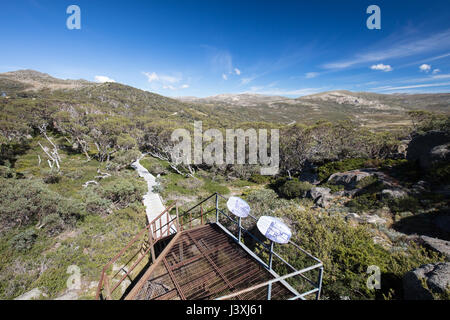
180,227
151,243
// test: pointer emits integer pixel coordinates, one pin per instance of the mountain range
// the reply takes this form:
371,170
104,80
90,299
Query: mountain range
372,110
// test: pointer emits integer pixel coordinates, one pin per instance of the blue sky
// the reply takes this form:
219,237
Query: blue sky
203,48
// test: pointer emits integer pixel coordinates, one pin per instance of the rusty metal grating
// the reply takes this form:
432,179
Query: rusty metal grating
205,263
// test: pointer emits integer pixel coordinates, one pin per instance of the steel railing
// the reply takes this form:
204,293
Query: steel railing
294,279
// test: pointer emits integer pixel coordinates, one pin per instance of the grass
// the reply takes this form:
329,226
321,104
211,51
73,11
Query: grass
90,244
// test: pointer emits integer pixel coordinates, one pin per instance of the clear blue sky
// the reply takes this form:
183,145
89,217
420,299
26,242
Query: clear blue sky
202,48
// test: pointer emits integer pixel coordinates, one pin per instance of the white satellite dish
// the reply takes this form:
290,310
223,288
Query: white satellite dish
238,207
274,229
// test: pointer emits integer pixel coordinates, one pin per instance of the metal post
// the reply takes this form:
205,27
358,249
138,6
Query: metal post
319,283
217,207
179,227
151,243
240,231
269,289
201,213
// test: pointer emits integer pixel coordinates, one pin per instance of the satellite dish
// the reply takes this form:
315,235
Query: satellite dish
238,207
274,229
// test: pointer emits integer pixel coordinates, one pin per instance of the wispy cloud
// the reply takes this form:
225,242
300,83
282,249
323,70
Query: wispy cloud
396,49
436,71
311,75
416,86
154,77
237,71
164,81
224,76
103,79
381,67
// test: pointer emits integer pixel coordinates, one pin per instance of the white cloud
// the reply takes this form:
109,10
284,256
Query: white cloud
154,77
436,71
103,79
425,67
169,79
184,86
151,76
441,76
247,80
169,87
382,67
311,75
224,76
237,71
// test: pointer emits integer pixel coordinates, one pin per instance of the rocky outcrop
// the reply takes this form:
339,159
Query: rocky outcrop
437,279
349,179
429,149
321,196
366,218
438,245
393,194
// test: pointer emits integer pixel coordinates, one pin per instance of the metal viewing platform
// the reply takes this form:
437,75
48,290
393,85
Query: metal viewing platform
204,253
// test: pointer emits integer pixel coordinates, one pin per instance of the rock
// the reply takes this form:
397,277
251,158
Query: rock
436,276
438,245
317,192
34,294
324,201
353,217
348,179
321,196
374,219
429,149
420,187
393,194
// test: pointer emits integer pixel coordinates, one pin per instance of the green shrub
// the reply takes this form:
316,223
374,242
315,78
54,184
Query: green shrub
123,191
259,179
440,173
333,187
53,224
6,172
24,202
365,202
124,158
403,204
51,177
24,241
366,182
326,170
294,189
346,252
95,203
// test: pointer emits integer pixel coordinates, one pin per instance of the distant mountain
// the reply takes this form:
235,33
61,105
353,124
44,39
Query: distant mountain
369,109
242,99
34,80
373,110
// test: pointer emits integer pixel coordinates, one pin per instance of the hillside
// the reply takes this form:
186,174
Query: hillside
369,109
353,197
